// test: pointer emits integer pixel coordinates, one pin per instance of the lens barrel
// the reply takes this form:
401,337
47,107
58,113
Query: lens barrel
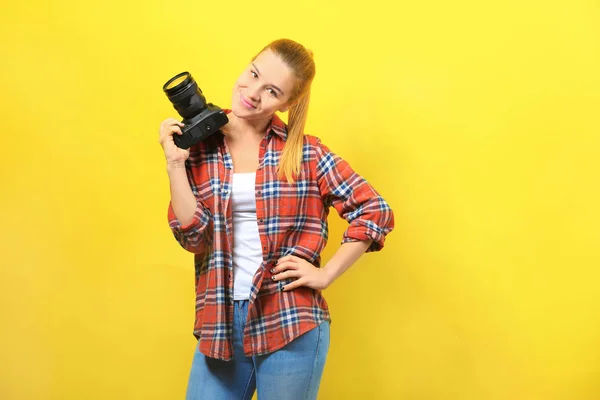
186,96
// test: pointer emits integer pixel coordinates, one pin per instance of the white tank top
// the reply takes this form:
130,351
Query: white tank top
247,253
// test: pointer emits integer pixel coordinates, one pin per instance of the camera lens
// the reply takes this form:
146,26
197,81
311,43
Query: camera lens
201,119
186,96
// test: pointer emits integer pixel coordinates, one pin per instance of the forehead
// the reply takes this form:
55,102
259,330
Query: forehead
273,70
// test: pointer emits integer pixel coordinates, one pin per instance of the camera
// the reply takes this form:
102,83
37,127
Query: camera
199,118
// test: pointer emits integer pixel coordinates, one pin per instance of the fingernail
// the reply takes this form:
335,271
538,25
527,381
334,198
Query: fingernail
272,270
273,277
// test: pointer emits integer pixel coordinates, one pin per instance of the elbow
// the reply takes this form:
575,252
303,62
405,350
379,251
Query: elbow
193,242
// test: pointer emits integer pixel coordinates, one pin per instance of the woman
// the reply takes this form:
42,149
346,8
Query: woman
251,202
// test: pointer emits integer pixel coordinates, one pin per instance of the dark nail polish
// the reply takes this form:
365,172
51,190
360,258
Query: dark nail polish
273,277
272,270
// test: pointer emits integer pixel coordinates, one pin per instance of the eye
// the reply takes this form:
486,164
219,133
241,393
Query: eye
272,92
254,74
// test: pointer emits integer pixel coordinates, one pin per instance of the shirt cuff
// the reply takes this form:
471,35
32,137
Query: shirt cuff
199,221
361,230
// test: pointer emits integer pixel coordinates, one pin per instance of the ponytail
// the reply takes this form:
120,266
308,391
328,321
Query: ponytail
291,158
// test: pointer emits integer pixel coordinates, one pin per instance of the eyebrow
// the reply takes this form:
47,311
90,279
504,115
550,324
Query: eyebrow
280,91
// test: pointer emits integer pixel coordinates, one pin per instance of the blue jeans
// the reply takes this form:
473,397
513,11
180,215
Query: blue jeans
290,373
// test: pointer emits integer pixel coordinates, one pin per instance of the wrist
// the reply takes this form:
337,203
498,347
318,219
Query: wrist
175,166
329,274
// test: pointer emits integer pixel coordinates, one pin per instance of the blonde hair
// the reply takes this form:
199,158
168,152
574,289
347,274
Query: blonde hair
300,60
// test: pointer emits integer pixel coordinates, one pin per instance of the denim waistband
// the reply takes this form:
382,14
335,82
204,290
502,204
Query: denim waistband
240,303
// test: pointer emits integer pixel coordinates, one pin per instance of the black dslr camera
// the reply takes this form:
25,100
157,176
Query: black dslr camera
200,119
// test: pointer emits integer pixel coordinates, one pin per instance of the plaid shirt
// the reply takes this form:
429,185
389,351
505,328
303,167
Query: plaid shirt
292,220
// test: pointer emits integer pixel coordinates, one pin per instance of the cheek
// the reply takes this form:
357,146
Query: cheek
277,104
241,82
236,87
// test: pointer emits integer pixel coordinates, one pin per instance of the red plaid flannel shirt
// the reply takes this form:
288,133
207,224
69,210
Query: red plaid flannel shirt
292,220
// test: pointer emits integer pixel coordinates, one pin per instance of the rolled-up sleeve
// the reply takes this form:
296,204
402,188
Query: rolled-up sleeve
355,200
197,234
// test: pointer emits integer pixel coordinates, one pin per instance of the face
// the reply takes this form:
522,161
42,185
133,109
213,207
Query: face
263,88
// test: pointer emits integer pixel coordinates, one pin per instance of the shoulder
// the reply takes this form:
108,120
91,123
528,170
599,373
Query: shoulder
325,161
315,144
311,140
313,149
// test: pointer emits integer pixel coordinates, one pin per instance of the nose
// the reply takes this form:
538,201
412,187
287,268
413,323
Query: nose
254,92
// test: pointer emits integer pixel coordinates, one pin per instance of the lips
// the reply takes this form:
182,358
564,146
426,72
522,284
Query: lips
246,102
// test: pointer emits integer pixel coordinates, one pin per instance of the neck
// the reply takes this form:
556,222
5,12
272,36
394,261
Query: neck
237,127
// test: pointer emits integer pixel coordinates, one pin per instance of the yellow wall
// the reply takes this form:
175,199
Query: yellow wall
477,121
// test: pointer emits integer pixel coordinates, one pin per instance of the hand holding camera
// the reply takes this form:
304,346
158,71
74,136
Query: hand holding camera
173,154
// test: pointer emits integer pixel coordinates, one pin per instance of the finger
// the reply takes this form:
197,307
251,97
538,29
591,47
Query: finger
283,259
296,284
286,275
171,130
284,266
163,137
287,258
168,123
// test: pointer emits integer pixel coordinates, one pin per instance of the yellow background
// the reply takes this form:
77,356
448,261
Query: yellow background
477,121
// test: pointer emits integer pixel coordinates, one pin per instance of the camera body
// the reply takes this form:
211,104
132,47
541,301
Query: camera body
200,119
200,126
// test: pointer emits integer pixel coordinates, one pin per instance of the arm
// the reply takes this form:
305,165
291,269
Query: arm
189,219
344,258
369,216
183,201
319,278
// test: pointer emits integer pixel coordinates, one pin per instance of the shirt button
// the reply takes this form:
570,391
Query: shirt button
260,220
259,192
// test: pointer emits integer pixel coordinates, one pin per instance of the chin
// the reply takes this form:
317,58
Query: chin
237,108
239,111
242,112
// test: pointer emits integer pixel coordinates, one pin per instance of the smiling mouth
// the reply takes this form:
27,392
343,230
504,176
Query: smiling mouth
246,102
